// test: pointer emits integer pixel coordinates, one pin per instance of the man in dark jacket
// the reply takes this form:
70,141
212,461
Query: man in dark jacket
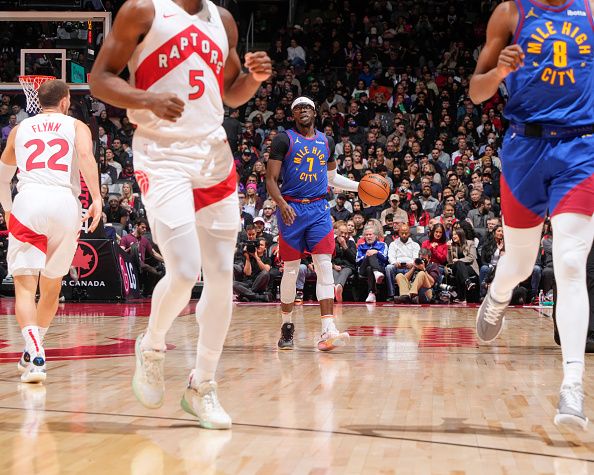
338,211
232,127
343,262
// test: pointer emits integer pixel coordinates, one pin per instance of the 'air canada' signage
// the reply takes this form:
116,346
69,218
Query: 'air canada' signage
105,272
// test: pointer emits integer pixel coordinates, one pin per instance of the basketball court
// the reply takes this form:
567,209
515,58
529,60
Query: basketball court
413,393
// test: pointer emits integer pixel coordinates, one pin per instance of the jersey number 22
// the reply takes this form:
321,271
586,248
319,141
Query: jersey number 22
52,162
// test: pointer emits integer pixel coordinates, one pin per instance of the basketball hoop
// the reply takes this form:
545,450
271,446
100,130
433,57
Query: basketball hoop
30,85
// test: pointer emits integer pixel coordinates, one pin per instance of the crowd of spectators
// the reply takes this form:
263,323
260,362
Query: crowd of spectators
390,80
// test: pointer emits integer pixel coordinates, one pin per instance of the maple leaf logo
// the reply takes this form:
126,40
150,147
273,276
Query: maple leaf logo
82,260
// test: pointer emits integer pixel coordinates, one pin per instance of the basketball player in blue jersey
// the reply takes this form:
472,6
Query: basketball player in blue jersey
543,50
303,158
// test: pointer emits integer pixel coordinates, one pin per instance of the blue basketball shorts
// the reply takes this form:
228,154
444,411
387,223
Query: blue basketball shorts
545,174
310,232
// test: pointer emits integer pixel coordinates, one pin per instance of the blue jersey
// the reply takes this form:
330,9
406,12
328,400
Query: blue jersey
304,171
556,84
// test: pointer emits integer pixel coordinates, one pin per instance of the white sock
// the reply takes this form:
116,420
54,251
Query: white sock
153,340
328,324
378,275
42,332
573,372
287,316
33,341
206,365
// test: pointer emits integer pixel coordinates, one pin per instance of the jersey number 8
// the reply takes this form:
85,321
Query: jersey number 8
560,54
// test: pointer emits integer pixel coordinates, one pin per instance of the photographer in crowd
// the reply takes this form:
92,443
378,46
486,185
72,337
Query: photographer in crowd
252,269
416,285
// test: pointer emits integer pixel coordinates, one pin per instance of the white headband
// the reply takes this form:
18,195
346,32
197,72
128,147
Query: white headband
302,100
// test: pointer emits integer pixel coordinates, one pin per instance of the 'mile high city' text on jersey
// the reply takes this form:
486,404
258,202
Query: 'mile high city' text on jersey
182,54
304,172
45,153
555,86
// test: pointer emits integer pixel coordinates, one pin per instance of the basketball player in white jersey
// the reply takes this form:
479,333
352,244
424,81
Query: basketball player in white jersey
183,66
50,151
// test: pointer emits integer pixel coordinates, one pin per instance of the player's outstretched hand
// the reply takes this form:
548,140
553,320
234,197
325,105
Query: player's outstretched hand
259,65
166,106
510,59
288,214
94,212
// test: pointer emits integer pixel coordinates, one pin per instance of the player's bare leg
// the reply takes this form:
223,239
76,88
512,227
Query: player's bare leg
49,295
25,288
49,299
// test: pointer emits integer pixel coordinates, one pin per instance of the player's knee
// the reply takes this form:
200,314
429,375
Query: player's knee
291,268
186,274
571,264
525,271
50,294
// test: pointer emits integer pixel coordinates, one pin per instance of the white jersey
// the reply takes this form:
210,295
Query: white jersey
45,153
182,54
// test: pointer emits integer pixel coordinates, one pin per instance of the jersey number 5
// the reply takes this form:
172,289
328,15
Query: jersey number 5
196,81
52,163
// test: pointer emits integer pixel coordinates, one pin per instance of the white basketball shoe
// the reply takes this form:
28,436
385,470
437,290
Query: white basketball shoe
34,371
148,382
203,403
24,361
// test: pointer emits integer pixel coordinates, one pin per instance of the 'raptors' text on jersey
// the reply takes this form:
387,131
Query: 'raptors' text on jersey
304,170
182,54
44,148
556,82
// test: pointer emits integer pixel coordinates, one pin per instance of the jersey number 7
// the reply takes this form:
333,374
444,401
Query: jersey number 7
52,162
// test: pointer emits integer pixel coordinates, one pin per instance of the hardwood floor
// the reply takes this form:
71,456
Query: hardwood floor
413,393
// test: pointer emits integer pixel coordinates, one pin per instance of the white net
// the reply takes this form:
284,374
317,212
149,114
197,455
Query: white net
30,85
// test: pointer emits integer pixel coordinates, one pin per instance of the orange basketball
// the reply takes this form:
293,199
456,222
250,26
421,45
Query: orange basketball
374,189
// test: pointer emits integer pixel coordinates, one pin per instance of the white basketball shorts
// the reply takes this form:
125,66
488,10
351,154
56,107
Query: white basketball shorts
44,227
189,182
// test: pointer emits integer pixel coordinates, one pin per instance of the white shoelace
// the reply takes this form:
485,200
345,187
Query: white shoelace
153,371
573,398
210,401
493,311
